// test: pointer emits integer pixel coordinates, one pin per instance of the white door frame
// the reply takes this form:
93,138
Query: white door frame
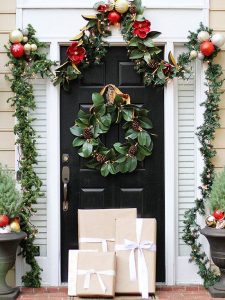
51,263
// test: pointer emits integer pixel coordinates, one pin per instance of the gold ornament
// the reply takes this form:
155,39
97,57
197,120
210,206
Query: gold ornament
15,36
27,47
15,226
25,39
210,221
121,6
33,47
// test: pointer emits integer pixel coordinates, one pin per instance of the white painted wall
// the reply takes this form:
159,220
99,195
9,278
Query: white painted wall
56,22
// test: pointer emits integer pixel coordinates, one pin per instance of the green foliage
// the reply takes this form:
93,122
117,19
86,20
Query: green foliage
22,71
217,196
11,203
90,126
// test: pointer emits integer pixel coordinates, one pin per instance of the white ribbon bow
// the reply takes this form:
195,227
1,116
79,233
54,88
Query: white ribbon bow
142,266
89,273
97,240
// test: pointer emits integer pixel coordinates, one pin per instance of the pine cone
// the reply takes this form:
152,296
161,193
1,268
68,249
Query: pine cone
100,158
132,150
135,125
153,64
87,133
133,9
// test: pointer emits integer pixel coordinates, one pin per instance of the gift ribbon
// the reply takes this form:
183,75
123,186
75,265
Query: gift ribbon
89,273
142,266
97,240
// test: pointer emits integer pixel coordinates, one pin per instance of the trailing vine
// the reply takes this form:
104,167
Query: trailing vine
206,135
23,70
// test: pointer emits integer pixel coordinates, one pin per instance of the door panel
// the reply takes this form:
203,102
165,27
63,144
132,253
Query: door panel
143,188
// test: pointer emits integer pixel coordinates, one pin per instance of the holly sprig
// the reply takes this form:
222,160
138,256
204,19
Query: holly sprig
92,125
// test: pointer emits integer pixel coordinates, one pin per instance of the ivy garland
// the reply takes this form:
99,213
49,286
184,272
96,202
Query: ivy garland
90,47
90,126
206,135
23,70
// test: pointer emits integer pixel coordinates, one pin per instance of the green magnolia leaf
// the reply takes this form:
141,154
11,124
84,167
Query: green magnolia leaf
127,114
112,168
75,130
145,125
106,120
120,148
100,110
87,149
133,164
118,100
132,136
154,34
142,138
140,156
144,150
161,75
147,57
149,42
78,142
121,158
104,170
97,99
83,115
140,17
79,123
123,167
134,41
136,54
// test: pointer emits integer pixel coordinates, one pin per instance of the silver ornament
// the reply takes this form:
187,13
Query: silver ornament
25,32
203,36
218,39
200,56
15,36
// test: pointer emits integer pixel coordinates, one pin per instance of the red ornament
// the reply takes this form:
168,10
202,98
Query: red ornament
218,214
114,17
207,48
76,54
4,220
141,28
103,8
17,50
167,68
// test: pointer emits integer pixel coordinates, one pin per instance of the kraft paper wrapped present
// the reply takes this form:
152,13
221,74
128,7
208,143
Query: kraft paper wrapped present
93,274
96,227
136,256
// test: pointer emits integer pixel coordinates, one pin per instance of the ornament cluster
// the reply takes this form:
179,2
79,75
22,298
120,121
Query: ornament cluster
206,45
20,45
216,220
8,225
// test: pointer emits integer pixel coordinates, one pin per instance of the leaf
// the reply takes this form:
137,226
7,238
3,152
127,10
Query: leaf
140,17
78,142
141,138
89,17
77,71
79,123
75,130
154,34
145,123
112,169
144,150
161,75
134,42
120,148
106,120
121,158
136,54
97,99
77,37
100,110
133,164
172,59
149,42
87,149
104,170
147,57
132,136
82,114
127,114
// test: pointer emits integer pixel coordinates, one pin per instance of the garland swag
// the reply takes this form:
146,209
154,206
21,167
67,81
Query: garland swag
23,70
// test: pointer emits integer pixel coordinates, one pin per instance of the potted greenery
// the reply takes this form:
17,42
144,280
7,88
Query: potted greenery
11,208
215,231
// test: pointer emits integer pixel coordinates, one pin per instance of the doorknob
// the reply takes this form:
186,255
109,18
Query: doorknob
65,180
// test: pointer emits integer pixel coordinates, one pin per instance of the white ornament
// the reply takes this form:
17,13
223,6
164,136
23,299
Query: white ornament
218,39
203,36
25,39
121,6
27,47
5,229
200,56
193,54
25,32
15,36
33,47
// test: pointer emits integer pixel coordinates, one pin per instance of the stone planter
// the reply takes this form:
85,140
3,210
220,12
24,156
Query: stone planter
8,247
216,238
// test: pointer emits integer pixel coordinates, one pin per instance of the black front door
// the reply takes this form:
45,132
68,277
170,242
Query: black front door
144,188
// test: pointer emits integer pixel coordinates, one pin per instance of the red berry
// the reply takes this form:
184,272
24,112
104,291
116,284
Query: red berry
114,17
218,214
17,50
4,220
207,48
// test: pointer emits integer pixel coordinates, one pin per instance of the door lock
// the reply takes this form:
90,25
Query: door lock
65,180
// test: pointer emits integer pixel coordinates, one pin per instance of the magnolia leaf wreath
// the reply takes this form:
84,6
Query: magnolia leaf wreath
92,125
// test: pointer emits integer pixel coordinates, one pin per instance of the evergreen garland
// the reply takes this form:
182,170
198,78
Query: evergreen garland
206,135
23,70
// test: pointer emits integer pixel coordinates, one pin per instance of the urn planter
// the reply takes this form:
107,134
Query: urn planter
216,239
8,248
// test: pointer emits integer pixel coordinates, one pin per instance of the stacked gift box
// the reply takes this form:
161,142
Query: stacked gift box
117,254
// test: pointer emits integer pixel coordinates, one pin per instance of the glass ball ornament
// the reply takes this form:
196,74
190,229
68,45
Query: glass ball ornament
203,36
207,48
15,36
17,50
114,17
193,54
33,47
218,40
200,56
121,6
27,47
25,39
25,31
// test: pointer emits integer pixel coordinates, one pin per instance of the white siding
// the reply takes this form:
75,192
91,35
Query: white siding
186,151
40,125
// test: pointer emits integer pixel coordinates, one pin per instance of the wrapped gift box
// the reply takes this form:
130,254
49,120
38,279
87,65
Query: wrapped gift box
136,256
96,227
93,274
